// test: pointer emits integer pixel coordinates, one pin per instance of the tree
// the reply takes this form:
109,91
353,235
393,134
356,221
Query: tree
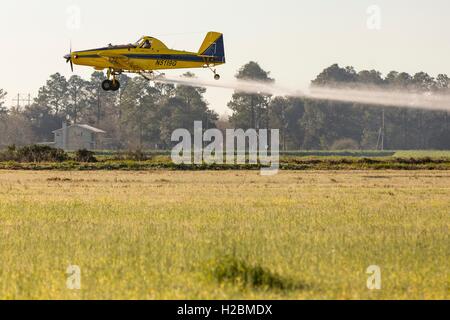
42,120
443,83
424,82
397,80
251,110
313,125
2,101
371,77
15,129
55,93
77,98
404,127
340,120
46,113
138,109
182,109
141,115
335,75
285,114
97,98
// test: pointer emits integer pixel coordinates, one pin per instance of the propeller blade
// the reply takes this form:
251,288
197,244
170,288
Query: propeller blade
71,62
68,57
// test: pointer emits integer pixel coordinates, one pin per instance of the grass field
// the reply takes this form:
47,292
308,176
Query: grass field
221,235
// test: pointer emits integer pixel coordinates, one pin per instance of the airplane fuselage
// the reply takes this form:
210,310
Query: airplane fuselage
136,58
147,55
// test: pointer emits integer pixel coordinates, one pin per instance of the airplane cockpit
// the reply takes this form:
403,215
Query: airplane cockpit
149,43
144,43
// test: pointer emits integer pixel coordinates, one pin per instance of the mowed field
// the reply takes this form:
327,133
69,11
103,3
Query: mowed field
224,235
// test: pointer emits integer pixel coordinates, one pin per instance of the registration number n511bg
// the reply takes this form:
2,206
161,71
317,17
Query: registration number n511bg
166,63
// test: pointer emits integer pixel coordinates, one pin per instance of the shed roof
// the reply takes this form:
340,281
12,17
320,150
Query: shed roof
84,126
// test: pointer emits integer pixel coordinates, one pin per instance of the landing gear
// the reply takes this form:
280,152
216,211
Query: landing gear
115,85
216,75
111,85
106,85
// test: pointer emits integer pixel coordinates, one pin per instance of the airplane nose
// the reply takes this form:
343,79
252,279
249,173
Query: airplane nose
67,56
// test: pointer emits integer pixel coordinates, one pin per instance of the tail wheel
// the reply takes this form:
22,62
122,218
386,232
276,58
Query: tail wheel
107,85
217,76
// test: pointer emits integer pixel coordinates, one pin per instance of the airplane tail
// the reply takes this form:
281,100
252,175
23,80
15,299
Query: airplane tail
213,46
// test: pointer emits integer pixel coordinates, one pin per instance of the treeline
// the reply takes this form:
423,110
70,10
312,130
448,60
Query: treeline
405,128
139,116
324,125
143,116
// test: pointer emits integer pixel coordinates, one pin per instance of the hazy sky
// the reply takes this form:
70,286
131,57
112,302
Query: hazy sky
294,39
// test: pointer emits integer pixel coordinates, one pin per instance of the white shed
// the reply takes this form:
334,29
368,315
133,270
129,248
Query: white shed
78,137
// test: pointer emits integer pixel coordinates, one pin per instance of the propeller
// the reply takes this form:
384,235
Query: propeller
68,57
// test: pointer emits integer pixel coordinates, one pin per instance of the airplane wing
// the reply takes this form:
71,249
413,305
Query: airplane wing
117,60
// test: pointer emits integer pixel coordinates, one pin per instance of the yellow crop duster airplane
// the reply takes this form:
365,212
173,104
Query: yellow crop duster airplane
148,55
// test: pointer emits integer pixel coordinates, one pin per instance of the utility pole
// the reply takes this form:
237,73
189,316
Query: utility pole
383,129
18,101
382,132
98,105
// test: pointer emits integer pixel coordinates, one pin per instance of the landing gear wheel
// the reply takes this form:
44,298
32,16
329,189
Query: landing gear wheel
107,85
217,76
115,85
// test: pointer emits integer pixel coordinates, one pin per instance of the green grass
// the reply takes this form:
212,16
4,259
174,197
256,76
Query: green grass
423,154
229,269
224,235
286,163
290,160
319,153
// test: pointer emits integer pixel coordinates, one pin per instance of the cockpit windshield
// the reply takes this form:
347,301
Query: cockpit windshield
144,42
124,46
137,43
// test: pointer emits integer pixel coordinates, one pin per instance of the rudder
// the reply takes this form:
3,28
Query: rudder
213,45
